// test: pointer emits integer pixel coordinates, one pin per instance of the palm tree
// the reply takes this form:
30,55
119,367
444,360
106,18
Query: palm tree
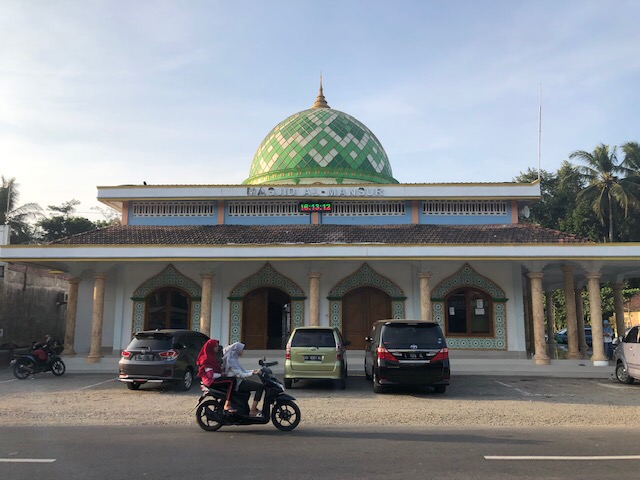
17,217
632,156
608,183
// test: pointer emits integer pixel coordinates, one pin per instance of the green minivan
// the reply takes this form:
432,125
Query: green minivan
316,353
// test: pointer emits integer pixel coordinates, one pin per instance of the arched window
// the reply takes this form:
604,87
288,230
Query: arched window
168,308
468,312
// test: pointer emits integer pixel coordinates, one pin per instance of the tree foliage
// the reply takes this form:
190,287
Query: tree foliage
20,218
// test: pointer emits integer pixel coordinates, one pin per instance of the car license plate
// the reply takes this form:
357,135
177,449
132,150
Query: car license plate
312,358
145,357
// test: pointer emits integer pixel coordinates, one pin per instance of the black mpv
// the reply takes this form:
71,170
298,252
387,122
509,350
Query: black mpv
407,352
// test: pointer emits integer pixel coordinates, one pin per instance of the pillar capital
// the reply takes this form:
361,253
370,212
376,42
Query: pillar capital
99,276
593,275
567,268
314,274
208,276
426,275
535,275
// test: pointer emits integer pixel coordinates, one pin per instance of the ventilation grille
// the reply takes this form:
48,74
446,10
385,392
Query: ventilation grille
464,207
172,209
344,209
263,209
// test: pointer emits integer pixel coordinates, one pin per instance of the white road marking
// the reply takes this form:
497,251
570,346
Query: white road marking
27,460
562,457
7,381
96,384
615,387
529,394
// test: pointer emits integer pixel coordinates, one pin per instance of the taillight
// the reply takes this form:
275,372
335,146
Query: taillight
169,354
443,354
384,354
126,355
287,354
339,352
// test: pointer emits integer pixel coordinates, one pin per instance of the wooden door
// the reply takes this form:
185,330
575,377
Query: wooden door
360,309
255,308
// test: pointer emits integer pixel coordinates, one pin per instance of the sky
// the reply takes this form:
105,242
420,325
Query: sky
105,93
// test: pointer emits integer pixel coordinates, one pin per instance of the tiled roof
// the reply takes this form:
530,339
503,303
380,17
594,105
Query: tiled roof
322,234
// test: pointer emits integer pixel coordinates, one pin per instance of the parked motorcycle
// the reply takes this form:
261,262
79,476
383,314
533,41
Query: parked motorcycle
43,358
278,406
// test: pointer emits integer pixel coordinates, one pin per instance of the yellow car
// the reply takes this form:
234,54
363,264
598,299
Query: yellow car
317,353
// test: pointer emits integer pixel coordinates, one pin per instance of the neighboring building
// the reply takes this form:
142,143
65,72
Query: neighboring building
321,233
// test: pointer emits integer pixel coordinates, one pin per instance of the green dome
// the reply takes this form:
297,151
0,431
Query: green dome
320,145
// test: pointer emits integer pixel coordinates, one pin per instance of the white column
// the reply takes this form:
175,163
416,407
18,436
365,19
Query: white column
582,339
595,305
314,298
205,303
95,353
551,318
570,305
425,296
537,311
72,312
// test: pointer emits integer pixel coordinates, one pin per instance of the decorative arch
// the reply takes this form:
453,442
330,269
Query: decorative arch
267,276
169,277
468,277
364,277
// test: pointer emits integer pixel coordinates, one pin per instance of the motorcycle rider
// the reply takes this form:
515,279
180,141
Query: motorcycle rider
234,369
210,371
41,350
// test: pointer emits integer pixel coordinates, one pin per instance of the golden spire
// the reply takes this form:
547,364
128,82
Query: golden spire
320,100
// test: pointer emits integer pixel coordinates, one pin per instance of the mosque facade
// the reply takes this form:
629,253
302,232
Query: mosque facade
321,233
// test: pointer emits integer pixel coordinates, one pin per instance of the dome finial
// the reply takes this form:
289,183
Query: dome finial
320,102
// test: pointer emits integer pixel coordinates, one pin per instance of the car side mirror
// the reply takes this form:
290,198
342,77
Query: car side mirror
617,341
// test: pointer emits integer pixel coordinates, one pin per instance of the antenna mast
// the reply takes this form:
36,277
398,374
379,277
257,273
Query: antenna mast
539,127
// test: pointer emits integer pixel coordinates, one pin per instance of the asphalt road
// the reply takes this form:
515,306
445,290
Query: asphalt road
328,452
103,453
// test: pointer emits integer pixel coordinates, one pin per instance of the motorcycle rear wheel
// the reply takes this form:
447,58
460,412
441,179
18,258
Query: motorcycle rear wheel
204,421
23,369
58,368
285,415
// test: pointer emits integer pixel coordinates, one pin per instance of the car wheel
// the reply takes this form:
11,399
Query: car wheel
377,388
133,385
440,388
288,383
187,380
621,374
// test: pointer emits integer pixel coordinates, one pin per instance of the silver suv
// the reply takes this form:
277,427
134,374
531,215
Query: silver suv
627,356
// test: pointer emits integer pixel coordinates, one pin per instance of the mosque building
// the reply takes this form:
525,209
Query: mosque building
321,233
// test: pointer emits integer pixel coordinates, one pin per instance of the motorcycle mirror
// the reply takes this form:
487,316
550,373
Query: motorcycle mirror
260,362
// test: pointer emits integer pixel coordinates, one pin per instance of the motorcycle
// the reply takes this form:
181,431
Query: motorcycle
28,364
278,406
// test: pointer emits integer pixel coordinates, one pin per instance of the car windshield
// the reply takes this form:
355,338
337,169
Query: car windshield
150,343
319,338
403,336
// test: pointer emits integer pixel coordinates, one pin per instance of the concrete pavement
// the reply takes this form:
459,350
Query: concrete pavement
462,363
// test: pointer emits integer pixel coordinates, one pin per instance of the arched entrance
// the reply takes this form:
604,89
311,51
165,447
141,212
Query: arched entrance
168,294
361,307
359,300
265,318
168,308
284,295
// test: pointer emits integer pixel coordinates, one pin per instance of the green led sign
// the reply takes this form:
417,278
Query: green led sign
309,207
